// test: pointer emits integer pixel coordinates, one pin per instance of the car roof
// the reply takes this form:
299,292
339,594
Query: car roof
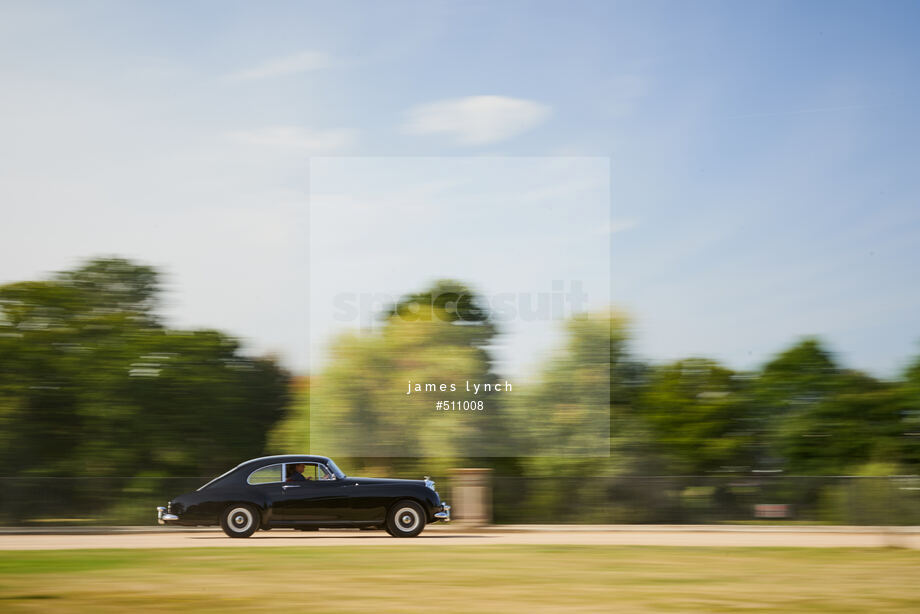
285,458
252,463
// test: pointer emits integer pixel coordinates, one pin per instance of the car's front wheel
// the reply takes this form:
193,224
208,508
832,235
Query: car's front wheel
240,520
405,519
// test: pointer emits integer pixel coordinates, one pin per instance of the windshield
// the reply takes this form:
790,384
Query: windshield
332,467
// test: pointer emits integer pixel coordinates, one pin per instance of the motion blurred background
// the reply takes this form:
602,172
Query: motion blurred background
191,228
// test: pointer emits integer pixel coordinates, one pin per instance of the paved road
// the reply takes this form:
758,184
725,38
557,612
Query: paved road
605,535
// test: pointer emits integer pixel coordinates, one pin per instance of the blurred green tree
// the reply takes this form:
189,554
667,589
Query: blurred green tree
697,412
909,396
91,383
291,435
566,411
359,402
816,418
860,423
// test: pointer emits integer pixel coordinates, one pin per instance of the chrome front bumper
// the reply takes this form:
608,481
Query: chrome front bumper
444,514
163,517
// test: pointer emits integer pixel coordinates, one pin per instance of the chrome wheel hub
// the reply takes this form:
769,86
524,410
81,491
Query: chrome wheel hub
240,519
407,519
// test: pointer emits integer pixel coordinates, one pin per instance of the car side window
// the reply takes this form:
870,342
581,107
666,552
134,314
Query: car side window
265,475
312,472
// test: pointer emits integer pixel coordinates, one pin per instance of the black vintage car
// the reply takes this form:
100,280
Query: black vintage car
305,492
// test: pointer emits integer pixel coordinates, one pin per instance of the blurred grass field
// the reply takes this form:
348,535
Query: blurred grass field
462,579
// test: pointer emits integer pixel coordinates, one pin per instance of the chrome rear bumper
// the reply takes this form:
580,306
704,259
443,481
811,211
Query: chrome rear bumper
163,517
444,514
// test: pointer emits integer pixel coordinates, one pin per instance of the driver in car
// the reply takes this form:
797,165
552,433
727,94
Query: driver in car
297,474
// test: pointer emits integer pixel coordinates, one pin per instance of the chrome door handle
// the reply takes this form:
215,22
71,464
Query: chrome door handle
286,486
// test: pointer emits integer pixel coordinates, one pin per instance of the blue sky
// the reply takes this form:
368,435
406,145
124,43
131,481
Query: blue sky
762,170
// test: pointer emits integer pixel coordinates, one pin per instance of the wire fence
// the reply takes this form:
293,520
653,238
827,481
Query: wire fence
110,501
842,500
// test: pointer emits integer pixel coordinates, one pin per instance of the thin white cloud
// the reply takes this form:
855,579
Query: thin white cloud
300,62
296,137
477,120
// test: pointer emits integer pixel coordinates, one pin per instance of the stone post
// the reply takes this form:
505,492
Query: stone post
471,504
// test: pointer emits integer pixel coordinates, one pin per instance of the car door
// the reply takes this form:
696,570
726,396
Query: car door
317,500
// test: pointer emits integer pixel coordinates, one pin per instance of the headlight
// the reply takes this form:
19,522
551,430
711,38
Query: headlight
429,483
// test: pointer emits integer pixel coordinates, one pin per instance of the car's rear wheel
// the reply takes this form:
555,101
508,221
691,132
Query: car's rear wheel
240,520
405,519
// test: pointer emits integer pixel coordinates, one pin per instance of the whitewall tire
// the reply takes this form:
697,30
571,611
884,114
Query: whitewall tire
405,519
240,520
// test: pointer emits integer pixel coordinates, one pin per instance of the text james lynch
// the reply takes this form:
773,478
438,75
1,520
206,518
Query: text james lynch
470,387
